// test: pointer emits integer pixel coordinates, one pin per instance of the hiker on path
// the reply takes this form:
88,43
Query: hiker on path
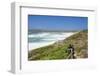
71,51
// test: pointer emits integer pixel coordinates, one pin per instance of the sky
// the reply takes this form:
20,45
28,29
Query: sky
47,22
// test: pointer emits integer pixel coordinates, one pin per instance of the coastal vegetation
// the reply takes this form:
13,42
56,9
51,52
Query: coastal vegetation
58,50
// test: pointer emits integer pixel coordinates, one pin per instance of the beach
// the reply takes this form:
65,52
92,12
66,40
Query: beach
45,39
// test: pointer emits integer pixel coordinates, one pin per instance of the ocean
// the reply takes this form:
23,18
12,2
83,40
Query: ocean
37,40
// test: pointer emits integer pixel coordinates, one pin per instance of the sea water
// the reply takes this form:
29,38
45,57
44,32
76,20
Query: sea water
37,40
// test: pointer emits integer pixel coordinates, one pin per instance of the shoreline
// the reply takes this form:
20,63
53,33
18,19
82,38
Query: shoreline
33,46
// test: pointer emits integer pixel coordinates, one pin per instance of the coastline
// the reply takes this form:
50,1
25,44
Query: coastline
33,46
58,50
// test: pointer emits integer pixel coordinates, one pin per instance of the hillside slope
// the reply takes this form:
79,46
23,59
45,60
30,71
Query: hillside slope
58,49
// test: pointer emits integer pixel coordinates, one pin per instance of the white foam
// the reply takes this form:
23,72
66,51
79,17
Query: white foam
50,39
38,35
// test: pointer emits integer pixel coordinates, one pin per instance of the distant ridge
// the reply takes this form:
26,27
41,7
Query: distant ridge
30,31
